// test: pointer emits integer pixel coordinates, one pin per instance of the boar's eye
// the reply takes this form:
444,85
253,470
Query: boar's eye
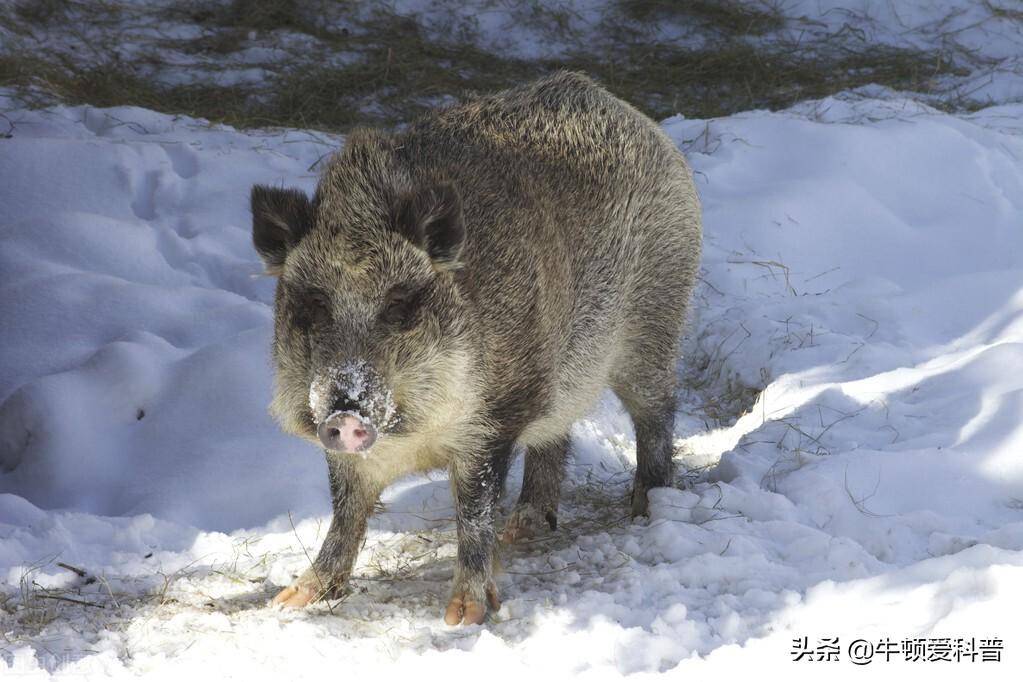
400,307
311,309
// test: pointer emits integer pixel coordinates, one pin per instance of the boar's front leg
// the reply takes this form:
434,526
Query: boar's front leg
477,479
353,502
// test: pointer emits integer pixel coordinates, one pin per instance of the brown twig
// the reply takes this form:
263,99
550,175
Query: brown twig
57,597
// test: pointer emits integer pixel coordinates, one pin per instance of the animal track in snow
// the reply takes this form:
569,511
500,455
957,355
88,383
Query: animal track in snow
183,159
144,204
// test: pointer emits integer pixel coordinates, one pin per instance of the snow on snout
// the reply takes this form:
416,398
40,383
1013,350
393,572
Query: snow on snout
355,382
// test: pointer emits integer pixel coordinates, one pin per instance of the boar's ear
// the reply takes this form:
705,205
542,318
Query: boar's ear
431,218
280,218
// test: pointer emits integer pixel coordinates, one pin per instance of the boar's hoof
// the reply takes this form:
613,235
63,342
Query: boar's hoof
295,597
465,610
308,588
525,520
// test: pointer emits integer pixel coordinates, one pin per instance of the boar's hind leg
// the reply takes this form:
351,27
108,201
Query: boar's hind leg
646,388
541,490
477,480
326,578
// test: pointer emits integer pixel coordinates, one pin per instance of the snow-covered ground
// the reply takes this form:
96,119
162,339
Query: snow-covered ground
863,266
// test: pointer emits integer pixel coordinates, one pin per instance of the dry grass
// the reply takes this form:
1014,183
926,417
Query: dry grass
368,65
722,17
41,11
116,83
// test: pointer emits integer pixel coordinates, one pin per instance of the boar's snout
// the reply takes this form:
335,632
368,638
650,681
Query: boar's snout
345,432
351,406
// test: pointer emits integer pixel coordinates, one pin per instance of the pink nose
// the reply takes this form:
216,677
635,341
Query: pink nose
344,432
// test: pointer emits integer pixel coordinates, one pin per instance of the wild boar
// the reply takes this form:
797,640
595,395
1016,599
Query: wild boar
469,285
